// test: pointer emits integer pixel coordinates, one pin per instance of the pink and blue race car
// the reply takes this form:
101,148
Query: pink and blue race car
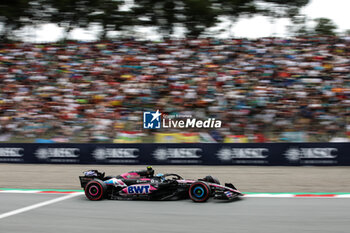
145,185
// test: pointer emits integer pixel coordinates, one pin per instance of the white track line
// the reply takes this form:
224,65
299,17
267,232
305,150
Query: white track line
268,195
19,191
31,207
343,196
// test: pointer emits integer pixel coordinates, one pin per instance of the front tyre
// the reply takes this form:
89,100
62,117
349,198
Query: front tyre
199,191
95,190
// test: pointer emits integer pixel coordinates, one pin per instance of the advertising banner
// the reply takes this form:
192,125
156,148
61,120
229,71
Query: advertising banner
258,154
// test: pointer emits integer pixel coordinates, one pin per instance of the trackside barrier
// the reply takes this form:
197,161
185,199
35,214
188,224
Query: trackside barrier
264,154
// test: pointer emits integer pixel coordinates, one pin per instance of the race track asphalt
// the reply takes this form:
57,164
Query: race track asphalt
77,214
245,178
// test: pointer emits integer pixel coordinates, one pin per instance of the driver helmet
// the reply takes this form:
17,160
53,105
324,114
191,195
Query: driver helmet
150,171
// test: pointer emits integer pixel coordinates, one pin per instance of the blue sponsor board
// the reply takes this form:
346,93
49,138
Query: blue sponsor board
262,154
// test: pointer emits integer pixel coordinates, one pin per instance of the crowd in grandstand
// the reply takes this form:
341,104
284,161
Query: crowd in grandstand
91,91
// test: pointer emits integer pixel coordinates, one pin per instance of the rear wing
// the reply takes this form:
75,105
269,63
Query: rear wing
90,175
84,180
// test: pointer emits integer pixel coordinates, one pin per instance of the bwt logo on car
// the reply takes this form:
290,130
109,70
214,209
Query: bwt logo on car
47,153
177,153
11,152
295,154
227,154
115,153
151,120
138,189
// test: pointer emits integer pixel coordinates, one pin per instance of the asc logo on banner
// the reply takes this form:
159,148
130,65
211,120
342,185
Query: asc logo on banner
116,155
311,155
178,155
11,154
58,155
243,155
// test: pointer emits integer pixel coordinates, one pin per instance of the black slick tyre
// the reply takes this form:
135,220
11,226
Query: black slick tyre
95,190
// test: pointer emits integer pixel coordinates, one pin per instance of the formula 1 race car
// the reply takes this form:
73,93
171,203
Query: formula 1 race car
147,186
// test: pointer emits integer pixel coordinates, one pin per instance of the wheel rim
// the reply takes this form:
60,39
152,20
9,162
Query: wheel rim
93,190
198,192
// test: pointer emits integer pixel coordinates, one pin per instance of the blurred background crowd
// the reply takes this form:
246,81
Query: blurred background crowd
264,90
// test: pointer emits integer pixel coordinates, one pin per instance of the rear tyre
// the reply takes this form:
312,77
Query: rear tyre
95,190
199,191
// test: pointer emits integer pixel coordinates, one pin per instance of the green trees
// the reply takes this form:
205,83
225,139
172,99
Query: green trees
70,14
14,14
117,15
198,15
325,27
301,28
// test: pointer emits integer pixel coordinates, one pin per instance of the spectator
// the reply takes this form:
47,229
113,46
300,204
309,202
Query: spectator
89,91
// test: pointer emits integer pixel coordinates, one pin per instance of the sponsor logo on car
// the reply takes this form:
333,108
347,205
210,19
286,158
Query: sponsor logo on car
138,189
115,182
228,194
